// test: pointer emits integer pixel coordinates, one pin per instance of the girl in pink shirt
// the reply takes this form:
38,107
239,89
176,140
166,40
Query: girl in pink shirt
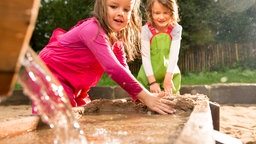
79,57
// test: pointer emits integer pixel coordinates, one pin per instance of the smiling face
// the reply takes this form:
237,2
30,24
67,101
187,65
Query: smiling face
161,16
119,13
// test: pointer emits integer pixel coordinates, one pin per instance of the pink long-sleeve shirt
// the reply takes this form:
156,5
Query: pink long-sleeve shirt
79,57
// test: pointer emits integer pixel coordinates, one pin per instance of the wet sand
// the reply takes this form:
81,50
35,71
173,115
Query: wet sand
235,120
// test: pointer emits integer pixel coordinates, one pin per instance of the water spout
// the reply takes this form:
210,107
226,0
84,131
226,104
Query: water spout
18,61
50,99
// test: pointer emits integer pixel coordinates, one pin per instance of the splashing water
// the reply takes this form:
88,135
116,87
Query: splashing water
50,100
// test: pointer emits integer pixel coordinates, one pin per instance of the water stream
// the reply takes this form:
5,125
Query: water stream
50,100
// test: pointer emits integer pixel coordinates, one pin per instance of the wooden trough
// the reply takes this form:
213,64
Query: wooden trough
197,130
16,28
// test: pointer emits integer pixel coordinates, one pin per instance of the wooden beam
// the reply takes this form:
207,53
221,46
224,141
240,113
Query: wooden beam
199,128
18,19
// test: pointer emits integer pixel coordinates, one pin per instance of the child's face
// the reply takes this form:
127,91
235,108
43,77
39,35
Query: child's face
161,16
119,13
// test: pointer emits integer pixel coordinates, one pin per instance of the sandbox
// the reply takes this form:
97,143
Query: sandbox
126,121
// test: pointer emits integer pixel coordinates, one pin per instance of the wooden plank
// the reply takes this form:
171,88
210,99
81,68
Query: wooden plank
22,125
199,128
18,21
215,111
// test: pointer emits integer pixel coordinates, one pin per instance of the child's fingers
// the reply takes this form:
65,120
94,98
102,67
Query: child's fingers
161,94
168,102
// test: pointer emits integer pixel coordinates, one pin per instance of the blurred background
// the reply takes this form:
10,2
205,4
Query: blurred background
218,40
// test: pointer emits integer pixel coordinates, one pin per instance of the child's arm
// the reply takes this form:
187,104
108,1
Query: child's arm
168,83
153,85
145,51
173,61
120,54
175,48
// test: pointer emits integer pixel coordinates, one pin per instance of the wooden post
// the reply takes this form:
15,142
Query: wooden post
215,111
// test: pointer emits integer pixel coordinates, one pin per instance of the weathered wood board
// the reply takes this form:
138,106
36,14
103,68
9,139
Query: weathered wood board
18,18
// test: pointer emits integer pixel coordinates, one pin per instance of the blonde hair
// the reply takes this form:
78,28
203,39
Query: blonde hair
130,35
170,4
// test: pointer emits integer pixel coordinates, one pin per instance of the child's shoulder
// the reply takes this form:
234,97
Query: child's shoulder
88,21
89,25
177,27
176,31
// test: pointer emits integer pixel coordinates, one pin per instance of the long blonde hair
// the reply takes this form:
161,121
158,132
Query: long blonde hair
130,35
170,4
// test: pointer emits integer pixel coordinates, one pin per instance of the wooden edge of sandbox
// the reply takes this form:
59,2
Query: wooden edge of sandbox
17,126
199,128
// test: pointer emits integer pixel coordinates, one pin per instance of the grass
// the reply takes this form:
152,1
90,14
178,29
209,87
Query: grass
106,81
227,76
202,78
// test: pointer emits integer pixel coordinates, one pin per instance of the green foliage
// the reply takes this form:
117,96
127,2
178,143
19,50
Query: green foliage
213,21
58,14
203,22
198,19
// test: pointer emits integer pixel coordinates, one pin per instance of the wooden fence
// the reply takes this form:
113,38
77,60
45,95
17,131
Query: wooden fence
211,57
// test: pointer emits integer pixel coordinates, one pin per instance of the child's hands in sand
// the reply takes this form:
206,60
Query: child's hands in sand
157,103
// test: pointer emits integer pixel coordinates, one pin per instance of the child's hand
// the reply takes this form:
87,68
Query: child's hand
156,102
155,88
169,86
